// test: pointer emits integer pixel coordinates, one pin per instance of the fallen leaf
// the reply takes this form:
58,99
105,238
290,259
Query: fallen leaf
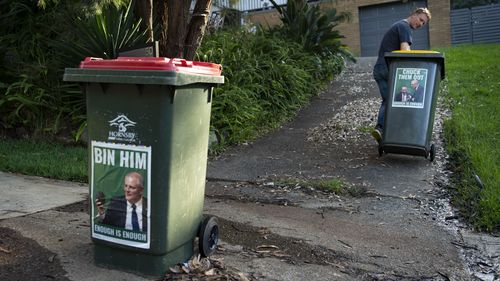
210,272
263,251
51,258
4,250
280,254
345,244
176,269
267,246
242,276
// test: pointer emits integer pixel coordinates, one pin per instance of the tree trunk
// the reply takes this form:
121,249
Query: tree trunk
160,16
196,28
178,12
177,38
144,9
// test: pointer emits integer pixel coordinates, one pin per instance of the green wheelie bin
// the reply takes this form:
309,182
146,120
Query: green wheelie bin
148,125
414,78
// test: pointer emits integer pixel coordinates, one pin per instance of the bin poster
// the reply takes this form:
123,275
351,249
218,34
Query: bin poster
120,189
409,87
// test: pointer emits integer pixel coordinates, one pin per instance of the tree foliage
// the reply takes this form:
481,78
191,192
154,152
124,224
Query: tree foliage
105,33
269,74
312,27
30,88
40,38
170,22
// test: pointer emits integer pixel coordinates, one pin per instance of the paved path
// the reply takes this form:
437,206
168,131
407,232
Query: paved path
22,195
389,232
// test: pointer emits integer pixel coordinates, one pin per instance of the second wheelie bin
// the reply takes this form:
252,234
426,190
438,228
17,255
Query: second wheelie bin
414,78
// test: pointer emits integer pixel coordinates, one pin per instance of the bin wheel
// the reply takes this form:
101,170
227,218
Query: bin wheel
208,236
432,152
380,151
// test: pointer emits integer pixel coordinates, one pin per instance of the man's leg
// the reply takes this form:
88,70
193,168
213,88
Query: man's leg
380,74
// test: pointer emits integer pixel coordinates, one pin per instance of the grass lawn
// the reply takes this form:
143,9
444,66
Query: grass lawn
473,133
45,159
472,87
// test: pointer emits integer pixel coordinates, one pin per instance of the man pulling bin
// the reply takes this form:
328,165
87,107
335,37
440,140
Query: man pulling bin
398,37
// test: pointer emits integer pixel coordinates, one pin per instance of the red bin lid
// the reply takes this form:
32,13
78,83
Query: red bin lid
149,63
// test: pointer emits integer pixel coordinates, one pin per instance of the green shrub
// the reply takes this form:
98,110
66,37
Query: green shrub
30,88
268,76
35,47
105,33
267,79
313,28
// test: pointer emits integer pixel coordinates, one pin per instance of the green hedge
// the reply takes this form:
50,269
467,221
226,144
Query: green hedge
267,79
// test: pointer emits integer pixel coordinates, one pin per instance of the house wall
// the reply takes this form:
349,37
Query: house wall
439,26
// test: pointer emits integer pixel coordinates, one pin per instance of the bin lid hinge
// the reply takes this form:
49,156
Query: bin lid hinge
104,87
209,92
83,88
171,90
140,88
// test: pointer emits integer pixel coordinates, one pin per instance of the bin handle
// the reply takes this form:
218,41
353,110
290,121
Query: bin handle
182,62
92,59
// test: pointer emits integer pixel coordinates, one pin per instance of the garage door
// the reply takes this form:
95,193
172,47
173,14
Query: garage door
375,20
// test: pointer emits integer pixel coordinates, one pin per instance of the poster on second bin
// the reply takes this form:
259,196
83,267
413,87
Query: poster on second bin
409,87
120,193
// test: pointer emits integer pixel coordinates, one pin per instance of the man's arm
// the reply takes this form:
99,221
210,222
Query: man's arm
404,46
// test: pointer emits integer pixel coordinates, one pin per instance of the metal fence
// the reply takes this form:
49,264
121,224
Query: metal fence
252,5
476,25
249,5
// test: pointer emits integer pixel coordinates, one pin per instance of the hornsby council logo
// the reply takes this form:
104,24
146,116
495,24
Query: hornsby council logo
122,123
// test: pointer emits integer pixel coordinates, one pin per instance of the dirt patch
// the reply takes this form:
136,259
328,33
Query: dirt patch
78,207
252,242
277,191
24,259
260,242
